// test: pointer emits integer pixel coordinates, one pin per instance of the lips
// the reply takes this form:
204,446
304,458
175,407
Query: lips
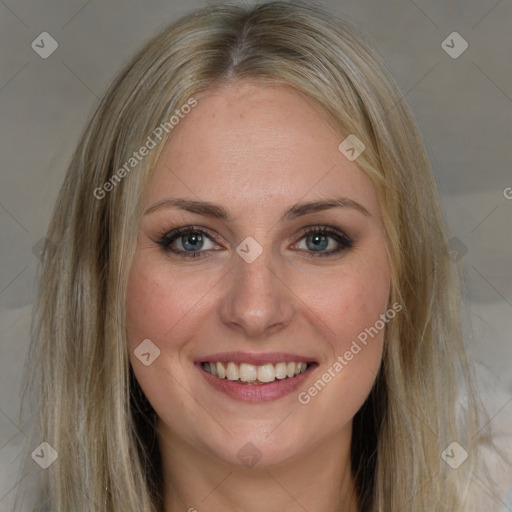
255,359
255,374
255,377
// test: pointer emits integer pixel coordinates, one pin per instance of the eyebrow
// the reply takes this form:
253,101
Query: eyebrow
219,212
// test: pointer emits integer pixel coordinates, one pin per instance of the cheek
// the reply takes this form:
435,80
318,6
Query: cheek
164,305
158,310
348,311
159,303
350,303
362,298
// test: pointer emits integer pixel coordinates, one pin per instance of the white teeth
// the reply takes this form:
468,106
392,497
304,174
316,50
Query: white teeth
221,372
232,371
246,372
266,373
280,370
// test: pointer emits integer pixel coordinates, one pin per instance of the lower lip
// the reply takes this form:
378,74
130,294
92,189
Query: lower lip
257,392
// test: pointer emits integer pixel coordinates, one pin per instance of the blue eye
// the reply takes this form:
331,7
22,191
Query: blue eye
194,241
318,239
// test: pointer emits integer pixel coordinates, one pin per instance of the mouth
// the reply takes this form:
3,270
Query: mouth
256,378
251,374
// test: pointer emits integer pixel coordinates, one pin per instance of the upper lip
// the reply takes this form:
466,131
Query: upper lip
255,359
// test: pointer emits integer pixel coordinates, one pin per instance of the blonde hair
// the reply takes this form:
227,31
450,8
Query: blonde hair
91,408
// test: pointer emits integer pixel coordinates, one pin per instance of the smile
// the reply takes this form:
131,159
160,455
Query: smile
250,377
255,374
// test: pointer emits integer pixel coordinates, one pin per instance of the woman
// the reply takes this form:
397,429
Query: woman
246,301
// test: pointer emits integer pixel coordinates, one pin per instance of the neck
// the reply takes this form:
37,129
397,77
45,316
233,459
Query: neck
319,480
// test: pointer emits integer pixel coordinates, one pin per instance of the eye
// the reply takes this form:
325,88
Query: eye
319,238
192,241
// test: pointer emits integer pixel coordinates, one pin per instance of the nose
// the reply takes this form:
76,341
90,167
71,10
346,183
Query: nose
257,301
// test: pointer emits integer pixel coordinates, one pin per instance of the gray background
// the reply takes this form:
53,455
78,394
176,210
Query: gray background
463,106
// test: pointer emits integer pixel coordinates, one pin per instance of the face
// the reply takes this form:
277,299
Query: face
252,284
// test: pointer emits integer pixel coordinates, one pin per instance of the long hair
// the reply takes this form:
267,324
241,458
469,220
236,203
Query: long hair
91,409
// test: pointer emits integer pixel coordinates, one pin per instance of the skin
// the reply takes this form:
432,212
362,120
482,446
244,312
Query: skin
256,150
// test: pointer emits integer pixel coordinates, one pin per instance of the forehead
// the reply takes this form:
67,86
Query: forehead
257,146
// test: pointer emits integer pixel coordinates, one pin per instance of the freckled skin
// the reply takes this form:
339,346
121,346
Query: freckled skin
256,150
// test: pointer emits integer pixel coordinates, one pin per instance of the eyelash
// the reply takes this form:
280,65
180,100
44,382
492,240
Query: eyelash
167,238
